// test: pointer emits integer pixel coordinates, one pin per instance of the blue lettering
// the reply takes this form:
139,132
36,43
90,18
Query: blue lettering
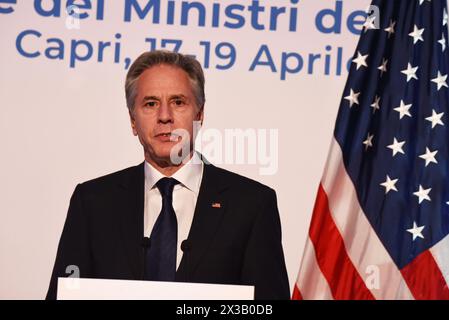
154,5
312,59
100,9
299,62
216,15
59,49
55,10
293,17
353,22
269,59
9,9
171,12
327,64
185,13
240,20
87,5
254,8
339,60
74,56
275,12
19,46
335,14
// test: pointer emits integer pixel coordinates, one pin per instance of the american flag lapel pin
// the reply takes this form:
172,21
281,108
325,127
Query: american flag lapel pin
216,205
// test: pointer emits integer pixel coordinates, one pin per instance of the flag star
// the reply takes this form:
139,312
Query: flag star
410,72
403,110
416,34
442,41
376,104
445,17
360,60
429,156
416,231
383,67
353,98
440,80
422,194
369,23
389,184
396,146
390,28
435,118
369,141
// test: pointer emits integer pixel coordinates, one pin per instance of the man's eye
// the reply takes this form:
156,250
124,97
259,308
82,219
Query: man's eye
150,104
179,102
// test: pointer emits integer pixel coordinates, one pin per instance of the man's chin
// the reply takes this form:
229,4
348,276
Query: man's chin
167,158
169,154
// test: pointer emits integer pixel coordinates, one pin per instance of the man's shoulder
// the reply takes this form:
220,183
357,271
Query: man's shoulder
238,181
113,179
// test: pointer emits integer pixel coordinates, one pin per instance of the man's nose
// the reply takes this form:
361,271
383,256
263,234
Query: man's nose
165,113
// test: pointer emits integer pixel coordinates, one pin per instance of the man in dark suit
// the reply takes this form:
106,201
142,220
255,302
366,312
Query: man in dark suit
175,217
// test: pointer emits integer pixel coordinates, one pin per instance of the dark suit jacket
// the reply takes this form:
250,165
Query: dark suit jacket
238,243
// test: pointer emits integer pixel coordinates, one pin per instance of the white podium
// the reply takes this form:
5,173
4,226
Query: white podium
101,289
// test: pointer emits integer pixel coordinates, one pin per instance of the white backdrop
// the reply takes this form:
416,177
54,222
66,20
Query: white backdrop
61,125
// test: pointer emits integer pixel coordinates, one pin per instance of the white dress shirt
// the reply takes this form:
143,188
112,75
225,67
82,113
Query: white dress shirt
185,195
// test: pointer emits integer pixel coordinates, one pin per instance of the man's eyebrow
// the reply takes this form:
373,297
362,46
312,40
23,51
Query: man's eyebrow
173,96
177,96
146,98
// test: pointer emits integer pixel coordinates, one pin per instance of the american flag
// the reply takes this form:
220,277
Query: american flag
380,224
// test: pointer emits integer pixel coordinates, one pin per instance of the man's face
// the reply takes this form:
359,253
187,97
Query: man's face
164,102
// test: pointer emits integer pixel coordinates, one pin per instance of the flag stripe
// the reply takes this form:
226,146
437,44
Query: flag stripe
440,252
359,237
424,278
331,254
311,281
296,294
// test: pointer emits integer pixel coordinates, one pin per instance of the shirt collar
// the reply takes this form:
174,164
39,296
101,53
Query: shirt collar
189,175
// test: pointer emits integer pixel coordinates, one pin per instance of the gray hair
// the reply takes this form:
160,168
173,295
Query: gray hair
149,59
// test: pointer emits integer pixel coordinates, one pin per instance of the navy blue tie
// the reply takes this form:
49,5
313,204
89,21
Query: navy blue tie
160,264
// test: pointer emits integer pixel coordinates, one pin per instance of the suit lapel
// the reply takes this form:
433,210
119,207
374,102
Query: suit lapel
209,211
131,211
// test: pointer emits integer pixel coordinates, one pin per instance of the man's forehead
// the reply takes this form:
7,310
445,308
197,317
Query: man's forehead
163,80
164,69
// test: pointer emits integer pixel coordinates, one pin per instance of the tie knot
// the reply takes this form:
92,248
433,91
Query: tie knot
166,185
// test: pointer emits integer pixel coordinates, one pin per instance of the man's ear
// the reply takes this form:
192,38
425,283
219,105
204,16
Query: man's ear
200,115
133,122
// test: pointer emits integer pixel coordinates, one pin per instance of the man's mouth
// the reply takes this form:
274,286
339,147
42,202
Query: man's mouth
167,136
